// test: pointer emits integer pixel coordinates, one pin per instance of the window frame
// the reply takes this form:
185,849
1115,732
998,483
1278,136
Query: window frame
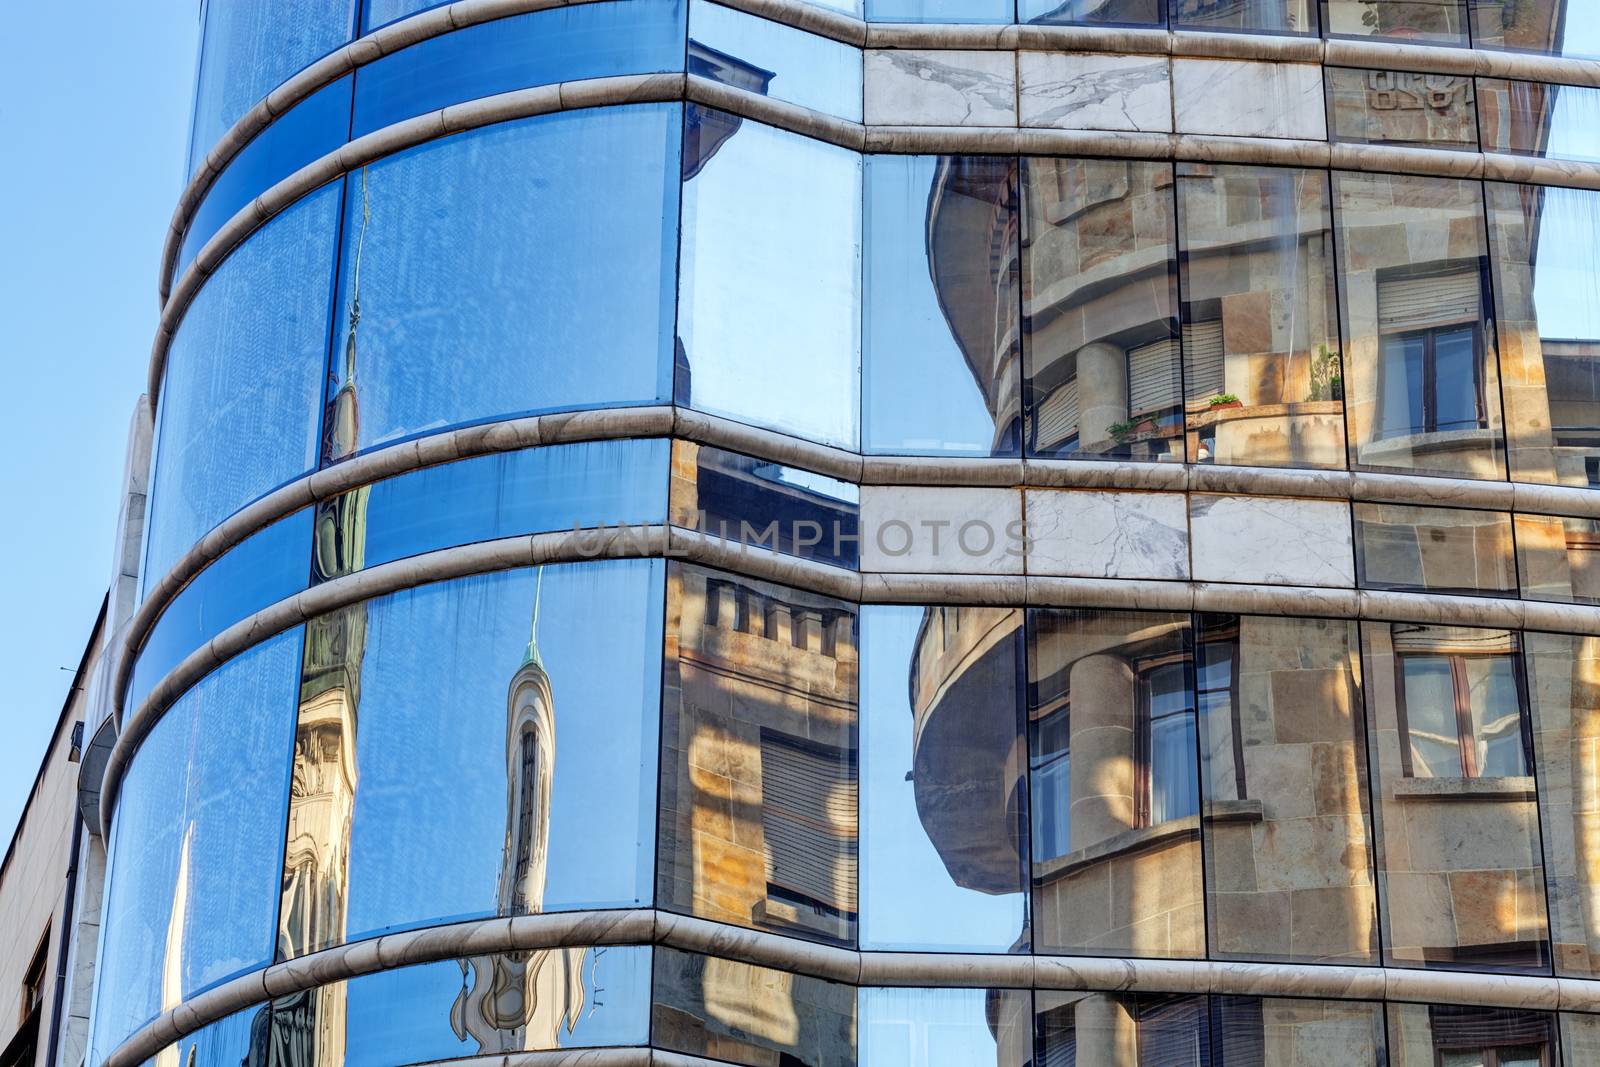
1466,738
1144,739
1430,377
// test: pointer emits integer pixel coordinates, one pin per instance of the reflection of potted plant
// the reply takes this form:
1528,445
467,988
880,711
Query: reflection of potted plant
1327,383
1223,401
1120,431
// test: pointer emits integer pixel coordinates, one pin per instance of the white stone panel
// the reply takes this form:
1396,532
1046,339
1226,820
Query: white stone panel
1091,91
915,87
1093,534
936,530
1271,540
1249,99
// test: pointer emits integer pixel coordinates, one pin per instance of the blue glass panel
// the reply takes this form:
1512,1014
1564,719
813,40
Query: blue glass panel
382,12
249,47
1094,12
194,867
487,270
770,301
592,40
946,1027
545,999
239,401
774,60
1534,119
261,570
941,355
941,10
224,1043
308,131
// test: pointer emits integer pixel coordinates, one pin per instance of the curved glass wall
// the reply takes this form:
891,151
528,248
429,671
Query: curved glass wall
239,410
193,854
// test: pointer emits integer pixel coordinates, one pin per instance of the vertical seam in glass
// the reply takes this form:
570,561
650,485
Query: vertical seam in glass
1524,687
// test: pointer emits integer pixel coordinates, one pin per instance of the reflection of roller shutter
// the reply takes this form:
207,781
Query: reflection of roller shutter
808,816
1153,377
1056,419
1202,355
1425,303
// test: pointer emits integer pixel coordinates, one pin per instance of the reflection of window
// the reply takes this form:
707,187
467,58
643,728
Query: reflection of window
1461,716
1216,674
1490,1037
1169,786
1432,355
1052,786
808,800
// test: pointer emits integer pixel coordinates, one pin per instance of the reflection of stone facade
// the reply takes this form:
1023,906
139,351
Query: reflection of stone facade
1402,107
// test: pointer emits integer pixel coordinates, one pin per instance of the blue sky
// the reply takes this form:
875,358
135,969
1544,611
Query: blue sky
94,105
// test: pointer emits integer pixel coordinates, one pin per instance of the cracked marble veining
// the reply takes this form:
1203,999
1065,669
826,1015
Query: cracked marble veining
913,87
1087,91
1090,534
1271,540
1243,98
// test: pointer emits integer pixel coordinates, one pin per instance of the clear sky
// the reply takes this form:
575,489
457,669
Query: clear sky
94,105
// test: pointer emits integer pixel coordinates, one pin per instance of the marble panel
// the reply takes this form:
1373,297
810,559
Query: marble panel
1090,91
1271,540
1091,534
1244,98
925,87
937,530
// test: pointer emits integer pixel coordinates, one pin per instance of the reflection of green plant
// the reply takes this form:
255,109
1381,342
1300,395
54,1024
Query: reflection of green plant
1220,399
1120,431
1327,383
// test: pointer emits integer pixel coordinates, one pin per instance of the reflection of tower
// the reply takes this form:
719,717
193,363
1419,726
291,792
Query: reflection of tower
524,1000
172,964
341,418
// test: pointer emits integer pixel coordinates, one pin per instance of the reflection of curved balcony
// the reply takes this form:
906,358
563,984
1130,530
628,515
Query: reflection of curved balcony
970,760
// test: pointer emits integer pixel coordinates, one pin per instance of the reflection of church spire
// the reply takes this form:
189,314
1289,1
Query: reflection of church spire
342,417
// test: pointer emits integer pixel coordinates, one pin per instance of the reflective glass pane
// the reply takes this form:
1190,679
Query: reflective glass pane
248,47
261,570
758,782
1417,21
478,747
942,352
1100,307
1111,706
946,1027
943,783
769,58
593,40
1262,378
228,1042
1284,1032
1458,847
1580,1038
1553,27
1121,1030
239,397
193,866
311,129
1402,107
1105,12
1547,294
1448,1035
1422,386
1261,16
1558,558
1535,119
1288,836
480,275
557,487
382,12
769,305
1435,550
761,505
749,1015
940,10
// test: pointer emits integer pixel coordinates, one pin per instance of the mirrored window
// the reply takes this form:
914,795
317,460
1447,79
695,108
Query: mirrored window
1434,550
1114,742
943,350
1121,1029
259,571
1258,16
592,40
239,397
1102,12
1422,389
1401,107
1554,27
941,10
1449,1035
230,1040
946,1027
762,505
1562,691
758,782
1580,1038
769,308
478,747
1288,835
1536,119
1461,876
1288,1032
382,12
1100,346
1413,21
480,275
944,786
755,1016
1263,384
1547,293
193,857
1558,558
771,59
248,47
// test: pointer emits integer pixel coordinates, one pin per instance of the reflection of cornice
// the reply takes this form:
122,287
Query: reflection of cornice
905,969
